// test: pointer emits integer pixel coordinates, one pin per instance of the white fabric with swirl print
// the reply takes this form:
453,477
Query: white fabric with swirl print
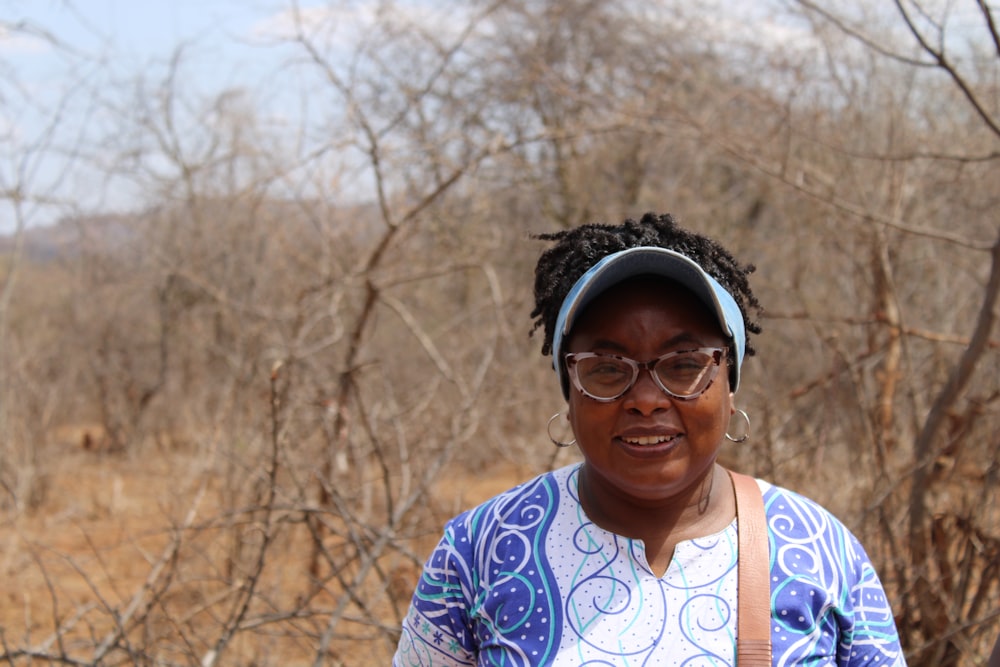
526,579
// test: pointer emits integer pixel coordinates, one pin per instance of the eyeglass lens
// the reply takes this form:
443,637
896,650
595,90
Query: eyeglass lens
682,374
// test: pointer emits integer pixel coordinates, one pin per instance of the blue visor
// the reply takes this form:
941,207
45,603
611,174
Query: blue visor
649,260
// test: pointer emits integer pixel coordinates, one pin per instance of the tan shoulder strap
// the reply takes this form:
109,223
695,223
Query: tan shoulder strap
753,615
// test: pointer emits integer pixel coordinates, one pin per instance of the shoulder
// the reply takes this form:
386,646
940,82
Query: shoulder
813,550
525,507
792,513
822,578
806,537
473,537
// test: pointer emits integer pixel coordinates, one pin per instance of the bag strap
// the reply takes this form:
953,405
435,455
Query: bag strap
753,615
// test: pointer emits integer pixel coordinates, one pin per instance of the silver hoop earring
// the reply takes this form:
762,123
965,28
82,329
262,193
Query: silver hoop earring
746,431
548,429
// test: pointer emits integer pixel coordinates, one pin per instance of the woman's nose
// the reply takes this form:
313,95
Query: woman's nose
645,396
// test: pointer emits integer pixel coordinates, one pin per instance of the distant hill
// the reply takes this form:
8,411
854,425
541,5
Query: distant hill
67,237
114,233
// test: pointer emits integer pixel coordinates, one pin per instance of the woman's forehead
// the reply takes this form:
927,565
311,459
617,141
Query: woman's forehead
649,301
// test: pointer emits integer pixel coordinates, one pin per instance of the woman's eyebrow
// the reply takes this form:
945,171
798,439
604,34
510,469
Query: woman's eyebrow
608,344
683,338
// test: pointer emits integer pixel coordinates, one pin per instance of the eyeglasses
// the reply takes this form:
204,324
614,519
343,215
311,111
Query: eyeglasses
684,374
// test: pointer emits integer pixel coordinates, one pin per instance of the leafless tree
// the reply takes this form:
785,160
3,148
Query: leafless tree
322,322
41,143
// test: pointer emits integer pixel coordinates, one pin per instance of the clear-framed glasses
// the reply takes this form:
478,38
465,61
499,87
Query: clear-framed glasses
683,374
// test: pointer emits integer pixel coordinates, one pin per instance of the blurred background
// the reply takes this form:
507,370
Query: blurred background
266,273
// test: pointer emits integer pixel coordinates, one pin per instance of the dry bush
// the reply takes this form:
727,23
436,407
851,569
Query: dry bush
306,386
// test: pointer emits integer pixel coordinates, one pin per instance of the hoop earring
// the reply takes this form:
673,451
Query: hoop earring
548,430
746,430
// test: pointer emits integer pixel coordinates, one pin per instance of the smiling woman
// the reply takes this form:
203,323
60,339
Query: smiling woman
632,556
649,449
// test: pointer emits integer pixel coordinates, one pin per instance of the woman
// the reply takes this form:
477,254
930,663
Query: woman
629,558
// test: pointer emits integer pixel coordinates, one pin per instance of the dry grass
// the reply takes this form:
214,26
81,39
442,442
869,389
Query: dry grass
98,544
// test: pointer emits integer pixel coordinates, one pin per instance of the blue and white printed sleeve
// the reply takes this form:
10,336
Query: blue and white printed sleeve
486,595
828,604
437,629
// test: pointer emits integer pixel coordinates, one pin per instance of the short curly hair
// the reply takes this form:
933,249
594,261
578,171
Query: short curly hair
578,249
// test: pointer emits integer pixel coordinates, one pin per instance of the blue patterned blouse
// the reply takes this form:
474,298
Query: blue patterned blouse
527,579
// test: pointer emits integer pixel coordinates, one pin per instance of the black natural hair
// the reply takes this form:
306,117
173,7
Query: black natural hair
578,249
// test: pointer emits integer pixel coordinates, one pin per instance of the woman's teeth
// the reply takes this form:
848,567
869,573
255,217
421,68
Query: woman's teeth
647,440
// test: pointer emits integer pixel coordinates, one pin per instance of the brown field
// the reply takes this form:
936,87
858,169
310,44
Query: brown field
98,548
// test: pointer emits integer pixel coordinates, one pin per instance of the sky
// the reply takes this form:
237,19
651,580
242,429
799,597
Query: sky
46,45
139,27
233,38
227,44
233,35
227,33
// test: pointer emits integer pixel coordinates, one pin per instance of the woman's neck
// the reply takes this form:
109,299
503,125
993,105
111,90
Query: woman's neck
707,507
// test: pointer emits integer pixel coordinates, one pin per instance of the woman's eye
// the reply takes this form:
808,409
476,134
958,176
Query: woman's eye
606,372
686,361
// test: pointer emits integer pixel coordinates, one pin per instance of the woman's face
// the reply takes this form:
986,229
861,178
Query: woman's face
647,446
